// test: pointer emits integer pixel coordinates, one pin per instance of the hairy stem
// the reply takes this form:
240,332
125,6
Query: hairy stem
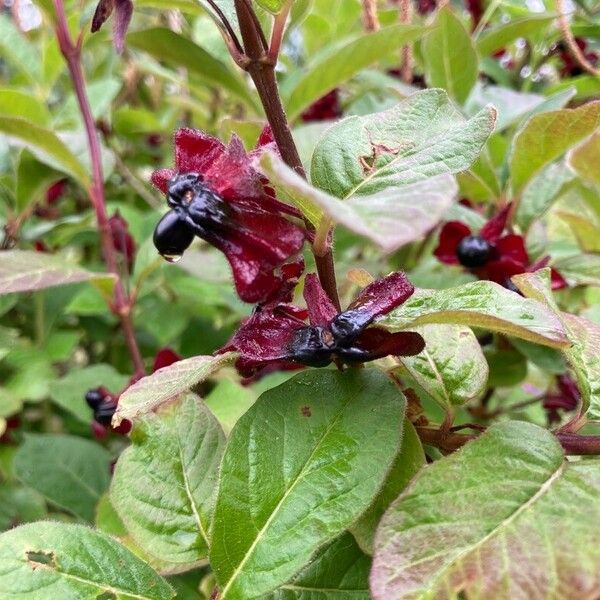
574,49
407,58
121,305
261,68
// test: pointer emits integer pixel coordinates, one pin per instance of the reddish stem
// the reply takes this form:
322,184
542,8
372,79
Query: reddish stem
262,70
121,305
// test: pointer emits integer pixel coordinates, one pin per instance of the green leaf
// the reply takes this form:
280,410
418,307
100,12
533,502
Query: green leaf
452,368
585,159
19,51
587,233
26,271
334,68
339,571
166,45
498,37
449,56
580,269
165,483
70,472
228,401
45,145
14,103
59,560
273,6
33,179
584,335
481,304
69,391
545,137
421,137
540,193
19,504
507,367
408,462
492,520
166,384
300,466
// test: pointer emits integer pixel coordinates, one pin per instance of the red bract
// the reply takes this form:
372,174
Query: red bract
570,66
278,332
215,194
164,358
55,192
325,108
489,255
122,240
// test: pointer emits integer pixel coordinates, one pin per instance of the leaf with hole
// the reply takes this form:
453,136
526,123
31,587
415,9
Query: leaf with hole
48,560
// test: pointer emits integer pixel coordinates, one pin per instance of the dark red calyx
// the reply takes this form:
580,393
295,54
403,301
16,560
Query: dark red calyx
474,251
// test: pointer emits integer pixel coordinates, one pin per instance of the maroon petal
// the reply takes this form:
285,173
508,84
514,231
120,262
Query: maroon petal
557,281
493,229
321,310
196,151
122,19
451,235
265,138
325,108
380,343
164,358
501,270
383,295
512,246
569,389
160,179
265,337
232,175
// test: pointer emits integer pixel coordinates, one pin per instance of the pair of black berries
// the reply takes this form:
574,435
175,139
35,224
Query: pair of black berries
102,404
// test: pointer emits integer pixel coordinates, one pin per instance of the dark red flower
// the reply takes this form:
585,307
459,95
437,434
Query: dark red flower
278,332
490,254
122,240
475,8
570,66
165,357
565,397
215,194
123,11
55,191
326,108
424,7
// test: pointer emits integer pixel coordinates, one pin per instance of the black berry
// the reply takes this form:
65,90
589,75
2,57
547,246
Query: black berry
94,398
172,236
474,251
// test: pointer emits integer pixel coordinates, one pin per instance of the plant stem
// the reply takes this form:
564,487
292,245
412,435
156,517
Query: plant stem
572,443
406,54
121,306
261,68
370,16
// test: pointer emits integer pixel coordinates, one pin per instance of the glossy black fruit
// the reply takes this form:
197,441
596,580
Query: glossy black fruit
172,235
94,398
474,251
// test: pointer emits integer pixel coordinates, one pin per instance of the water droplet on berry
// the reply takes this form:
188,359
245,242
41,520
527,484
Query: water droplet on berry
172,258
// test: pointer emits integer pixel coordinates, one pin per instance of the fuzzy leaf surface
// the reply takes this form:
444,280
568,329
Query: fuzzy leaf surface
481,304
166,384
494,520
26,271
452,369
300,466
165,482
47,560
70,472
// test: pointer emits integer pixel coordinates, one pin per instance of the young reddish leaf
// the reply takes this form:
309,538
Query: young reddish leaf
166,384
497,519
26,271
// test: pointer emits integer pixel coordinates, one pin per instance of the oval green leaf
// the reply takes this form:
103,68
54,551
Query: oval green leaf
300,466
